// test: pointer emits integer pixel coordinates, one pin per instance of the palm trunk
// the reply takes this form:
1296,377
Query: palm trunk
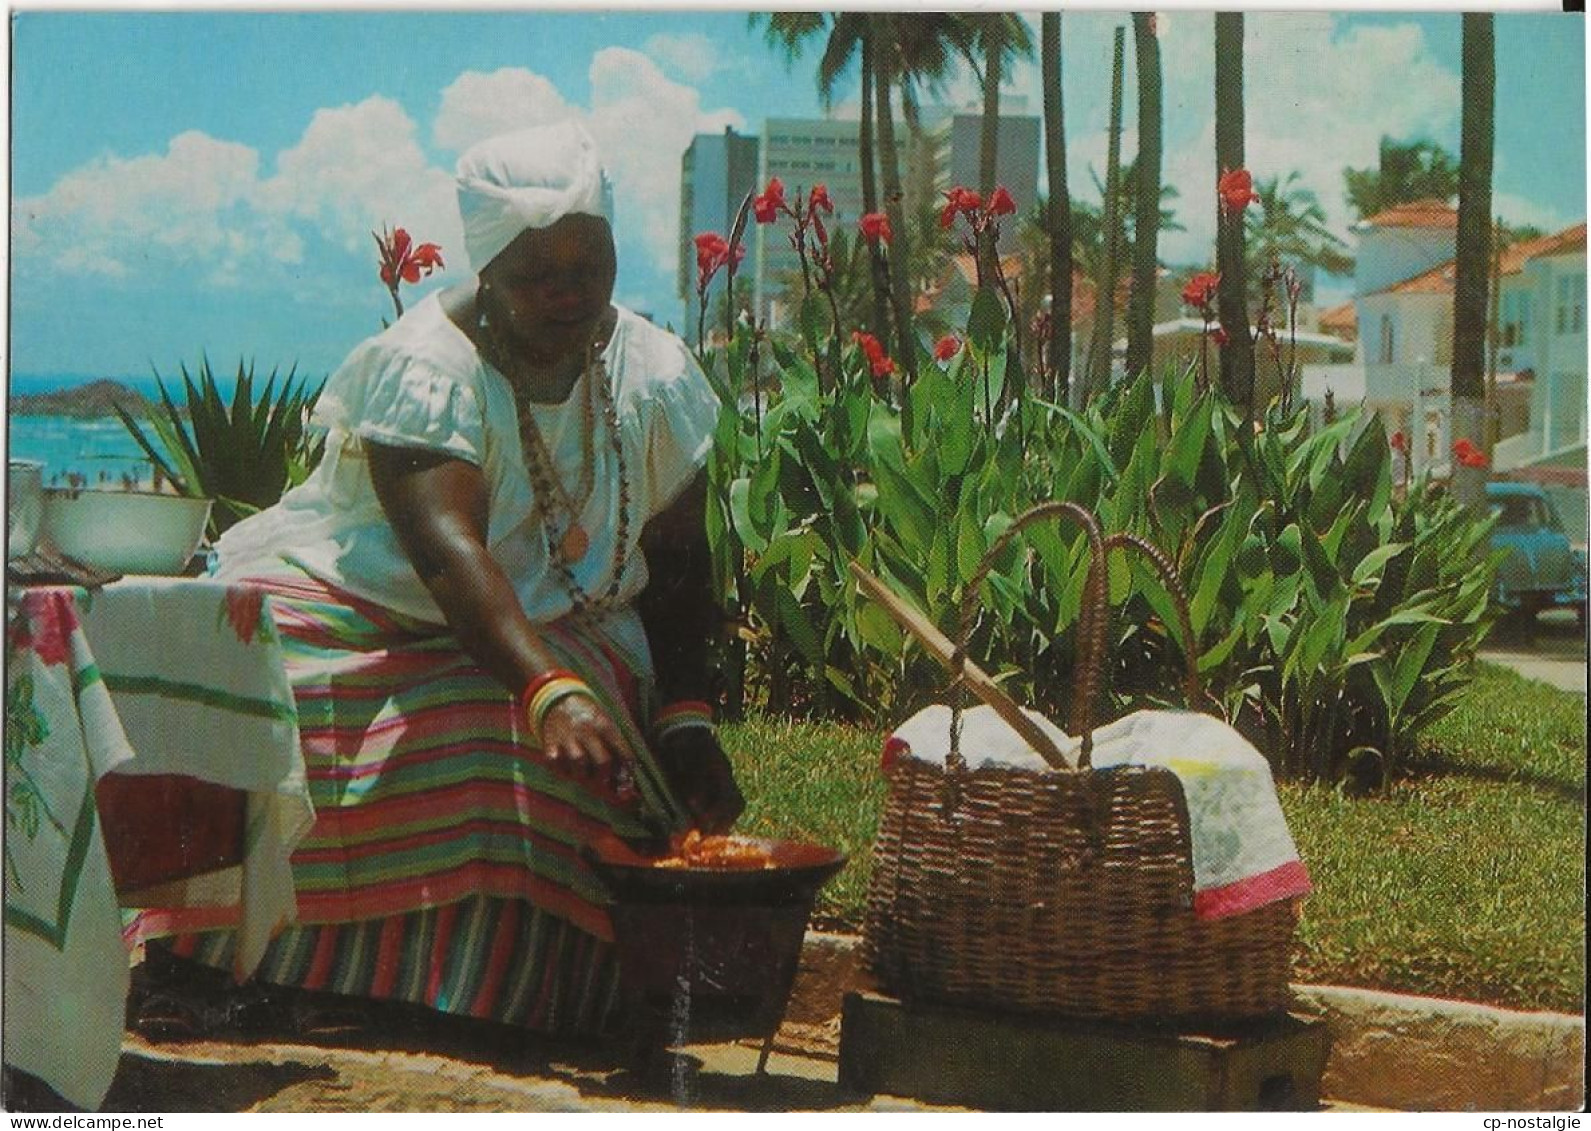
865,154
1237,356
889,167
1471,250
1060,218
1146,222
1493,314
1097,376
988,150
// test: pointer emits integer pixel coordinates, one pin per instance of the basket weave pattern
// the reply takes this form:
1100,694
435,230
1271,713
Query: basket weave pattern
1060,892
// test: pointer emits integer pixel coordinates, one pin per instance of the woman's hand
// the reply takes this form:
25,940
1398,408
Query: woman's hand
699,771
579,741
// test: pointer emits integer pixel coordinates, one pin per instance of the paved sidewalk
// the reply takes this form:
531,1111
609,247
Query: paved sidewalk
210,1075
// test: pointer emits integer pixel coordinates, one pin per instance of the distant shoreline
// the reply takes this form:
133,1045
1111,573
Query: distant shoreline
97,399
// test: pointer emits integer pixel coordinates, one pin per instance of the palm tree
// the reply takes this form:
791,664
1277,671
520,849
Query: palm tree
912,50
898,51
877,266
1097,374
1406,172
1472,247
1146,212
1059,209
1237,356
1088,222
1290,225
997,38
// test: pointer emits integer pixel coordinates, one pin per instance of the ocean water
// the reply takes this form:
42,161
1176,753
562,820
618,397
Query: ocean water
99,449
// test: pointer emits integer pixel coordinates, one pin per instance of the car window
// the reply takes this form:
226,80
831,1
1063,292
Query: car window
1520,510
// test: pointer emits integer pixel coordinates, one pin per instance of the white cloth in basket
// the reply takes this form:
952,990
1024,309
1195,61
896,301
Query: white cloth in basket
1243,854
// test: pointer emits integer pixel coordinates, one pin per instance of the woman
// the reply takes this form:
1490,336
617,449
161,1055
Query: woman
494,598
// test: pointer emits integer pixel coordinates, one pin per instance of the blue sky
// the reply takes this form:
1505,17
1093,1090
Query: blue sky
185,182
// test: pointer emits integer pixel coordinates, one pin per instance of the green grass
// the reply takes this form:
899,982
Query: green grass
1466,881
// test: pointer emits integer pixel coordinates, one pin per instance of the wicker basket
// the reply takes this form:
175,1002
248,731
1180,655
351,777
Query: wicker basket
1062,892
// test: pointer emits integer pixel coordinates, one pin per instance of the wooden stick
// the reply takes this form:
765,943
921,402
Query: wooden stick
938,645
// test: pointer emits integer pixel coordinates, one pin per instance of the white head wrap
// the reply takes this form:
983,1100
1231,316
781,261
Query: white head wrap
527,179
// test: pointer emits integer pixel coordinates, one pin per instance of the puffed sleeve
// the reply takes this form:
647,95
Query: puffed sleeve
389,396
680,425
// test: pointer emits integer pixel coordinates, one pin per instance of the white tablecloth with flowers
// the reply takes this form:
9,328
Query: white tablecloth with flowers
144,676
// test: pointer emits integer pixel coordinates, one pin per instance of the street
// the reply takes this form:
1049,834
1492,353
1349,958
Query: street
1553,650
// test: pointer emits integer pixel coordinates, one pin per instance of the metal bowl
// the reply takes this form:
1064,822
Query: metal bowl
125,531
710,953
24,506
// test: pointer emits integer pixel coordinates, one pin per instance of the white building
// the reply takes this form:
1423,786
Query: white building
1547,297
1405,334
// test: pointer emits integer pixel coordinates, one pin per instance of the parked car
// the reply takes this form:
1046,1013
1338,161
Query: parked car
1542,570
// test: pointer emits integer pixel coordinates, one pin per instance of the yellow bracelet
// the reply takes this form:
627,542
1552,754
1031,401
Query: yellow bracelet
549,694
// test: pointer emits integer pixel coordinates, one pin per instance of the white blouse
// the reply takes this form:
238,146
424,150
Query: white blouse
421,384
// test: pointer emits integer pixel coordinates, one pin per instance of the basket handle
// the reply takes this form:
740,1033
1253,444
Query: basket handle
1192,683
1093,621
1090,625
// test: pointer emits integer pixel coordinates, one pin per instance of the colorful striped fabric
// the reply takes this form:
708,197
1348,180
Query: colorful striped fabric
444,866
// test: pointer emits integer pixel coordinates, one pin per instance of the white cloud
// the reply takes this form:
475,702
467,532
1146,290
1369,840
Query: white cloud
1516,210
204,205
359,167
476,106
1319,102
118,216
692,57
643,122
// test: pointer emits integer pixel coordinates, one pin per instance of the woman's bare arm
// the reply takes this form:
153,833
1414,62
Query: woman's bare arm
438,506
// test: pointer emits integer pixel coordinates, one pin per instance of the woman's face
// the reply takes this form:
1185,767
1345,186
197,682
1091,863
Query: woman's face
550,289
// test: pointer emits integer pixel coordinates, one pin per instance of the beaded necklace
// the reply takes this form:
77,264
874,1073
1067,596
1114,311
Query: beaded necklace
558,510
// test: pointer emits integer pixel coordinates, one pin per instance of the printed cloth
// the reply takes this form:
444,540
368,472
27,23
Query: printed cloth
1242,852
148,675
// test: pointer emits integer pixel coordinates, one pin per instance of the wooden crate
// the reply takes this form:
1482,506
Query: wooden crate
1011,1062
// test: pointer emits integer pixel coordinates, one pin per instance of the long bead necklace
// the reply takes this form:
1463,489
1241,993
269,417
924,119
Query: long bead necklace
567,540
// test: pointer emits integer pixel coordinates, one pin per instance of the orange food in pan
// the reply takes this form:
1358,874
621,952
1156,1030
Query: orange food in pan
693,850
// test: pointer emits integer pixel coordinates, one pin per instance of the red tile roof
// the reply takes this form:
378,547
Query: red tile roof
1439,279
1416,214
1340,319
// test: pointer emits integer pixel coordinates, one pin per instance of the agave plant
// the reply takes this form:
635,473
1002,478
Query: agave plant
242,455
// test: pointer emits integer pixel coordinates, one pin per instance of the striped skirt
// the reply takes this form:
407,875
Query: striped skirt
444,866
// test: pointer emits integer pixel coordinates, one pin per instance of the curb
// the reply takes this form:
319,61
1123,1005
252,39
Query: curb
1388,1050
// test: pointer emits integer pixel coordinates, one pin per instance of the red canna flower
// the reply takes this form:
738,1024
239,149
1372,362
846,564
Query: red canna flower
713,252
959,200
1000,202
947,347
1200,290
426,257
1399,442
1236,189
1468,455
401,261
769,202
818,200
875,227
877,360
